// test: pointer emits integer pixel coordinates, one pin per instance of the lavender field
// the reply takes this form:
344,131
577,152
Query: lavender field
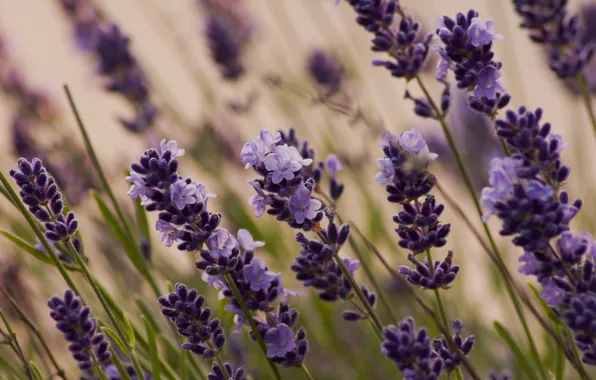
297,189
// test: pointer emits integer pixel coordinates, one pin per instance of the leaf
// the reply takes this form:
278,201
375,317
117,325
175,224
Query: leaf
130,331
129,247
143,222
114,337
148,314
25,246
35,371
153,350
559,365
522,362
547,310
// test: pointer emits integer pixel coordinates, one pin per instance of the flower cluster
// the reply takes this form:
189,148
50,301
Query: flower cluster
185,309
259,288
406,178
550,25
40,192
525,194
97,36
182,203
111,371
225,48
402,41
416,356
326,71
88,347
467,52
290,176
223,257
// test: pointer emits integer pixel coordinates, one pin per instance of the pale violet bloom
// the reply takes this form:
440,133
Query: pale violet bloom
253,153
502,176
333,165
267,138
201,194
351,264
551,293
182,194
444,63
387,171
247,242
482,33
138,186
259,201
216,282
388,139
239,318
284,293
412,141
284,162
221,243
168,232
172,146
529,265
302,206
280,340
257,275
538,190
487,84
561,144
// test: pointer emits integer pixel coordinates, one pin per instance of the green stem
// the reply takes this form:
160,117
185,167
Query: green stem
104,181
59,371
376,321
464,173
306,372
252,323
13,342
585,91
118,363
184,365
129,350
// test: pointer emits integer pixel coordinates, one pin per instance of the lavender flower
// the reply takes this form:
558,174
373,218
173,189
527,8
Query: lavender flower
112,373
326,71
549,25
411,351
217,373
97,36
280,340
40,193
247,242
225,48
441,276
450,359
168,232
182,194
80,330
468,42
257,275
333,165
302,206
185,309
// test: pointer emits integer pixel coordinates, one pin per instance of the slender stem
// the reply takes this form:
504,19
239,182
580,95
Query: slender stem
13,342
306,372
59,371
252,323
118,363
129,350
219,361
184,364
376,321
104,181
585,91
468,183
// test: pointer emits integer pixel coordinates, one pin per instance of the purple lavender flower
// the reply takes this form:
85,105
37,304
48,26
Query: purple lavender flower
284,162
280,340
185,309
257,275
40,193
482,33
182,194
442,276
80,330
387,172
172,147
217,373
468,42
168,232
221,243
225,48
333,165
137,189
351,264
450,359
326,71
112,373
302,206
259,201
247,242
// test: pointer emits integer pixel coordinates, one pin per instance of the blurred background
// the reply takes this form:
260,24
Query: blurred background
303,64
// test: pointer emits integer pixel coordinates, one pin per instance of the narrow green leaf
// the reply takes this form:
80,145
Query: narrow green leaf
7,325
153,350
143,222
148,314
130,331
129,246
547,310
522,362
6,194
114,337
559,365
25,246
35,371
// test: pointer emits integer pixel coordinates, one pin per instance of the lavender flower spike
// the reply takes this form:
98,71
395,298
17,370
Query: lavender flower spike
280,340
74,321
302,206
